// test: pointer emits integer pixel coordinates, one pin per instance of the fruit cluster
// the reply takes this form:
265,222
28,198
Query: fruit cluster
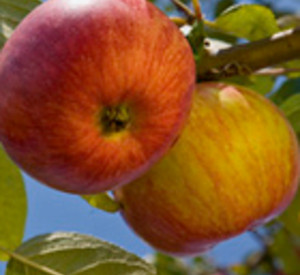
100,95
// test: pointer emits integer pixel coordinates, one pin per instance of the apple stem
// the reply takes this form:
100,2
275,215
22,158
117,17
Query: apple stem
114,119
104,202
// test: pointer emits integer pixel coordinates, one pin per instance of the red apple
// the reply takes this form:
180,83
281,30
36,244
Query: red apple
93,92
235,166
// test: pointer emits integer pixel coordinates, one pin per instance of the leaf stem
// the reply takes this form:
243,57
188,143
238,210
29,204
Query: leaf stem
29,262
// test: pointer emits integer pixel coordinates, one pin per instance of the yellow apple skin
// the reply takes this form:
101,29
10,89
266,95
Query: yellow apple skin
235,166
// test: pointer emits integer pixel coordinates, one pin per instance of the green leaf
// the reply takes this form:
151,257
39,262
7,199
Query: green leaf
287,89
103,201
291,216
286,249
223,5
251,22
75,254
196,39
13,205
11,14
261,84
291,108
289,21
167,265
294,64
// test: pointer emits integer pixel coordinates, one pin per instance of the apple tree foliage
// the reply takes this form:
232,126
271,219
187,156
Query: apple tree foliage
62,253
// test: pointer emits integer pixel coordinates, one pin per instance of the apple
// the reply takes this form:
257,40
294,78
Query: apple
235,166
93,92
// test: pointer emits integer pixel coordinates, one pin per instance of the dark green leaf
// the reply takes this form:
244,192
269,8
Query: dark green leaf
294,64
223,5
13,205
286,249
291,108
77,254
251,22
196,38
11,14
287,89
291,216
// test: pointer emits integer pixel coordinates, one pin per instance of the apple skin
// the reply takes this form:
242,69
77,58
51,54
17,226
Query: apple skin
235,166
68,67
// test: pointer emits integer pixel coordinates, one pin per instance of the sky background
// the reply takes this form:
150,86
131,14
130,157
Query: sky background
50,210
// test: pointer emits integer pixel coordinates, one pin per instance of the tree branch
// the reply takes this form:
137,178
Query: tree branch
247,58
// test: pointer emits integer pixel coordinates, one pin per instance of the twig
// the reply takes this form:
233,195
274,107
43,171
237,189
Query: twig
179,21
197,9
185,9
250,57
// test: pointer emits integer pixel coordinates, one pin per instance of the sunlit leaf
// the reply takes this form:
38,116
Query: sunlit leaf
76,254
13,205
251,22
11,14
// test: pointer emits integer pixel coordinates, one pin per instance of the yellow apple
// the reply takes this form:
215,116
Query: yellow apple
236,166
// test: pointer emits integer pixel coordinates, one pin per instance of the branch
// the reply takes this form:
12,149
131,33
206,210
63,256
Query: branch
247,58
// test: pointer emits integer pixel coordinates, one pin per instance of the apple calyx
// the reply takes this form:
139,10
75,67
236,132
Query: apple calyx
114,119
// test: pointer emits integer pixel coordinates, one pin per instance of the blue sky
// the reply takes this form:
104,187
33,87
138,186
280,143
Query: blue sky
51,211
